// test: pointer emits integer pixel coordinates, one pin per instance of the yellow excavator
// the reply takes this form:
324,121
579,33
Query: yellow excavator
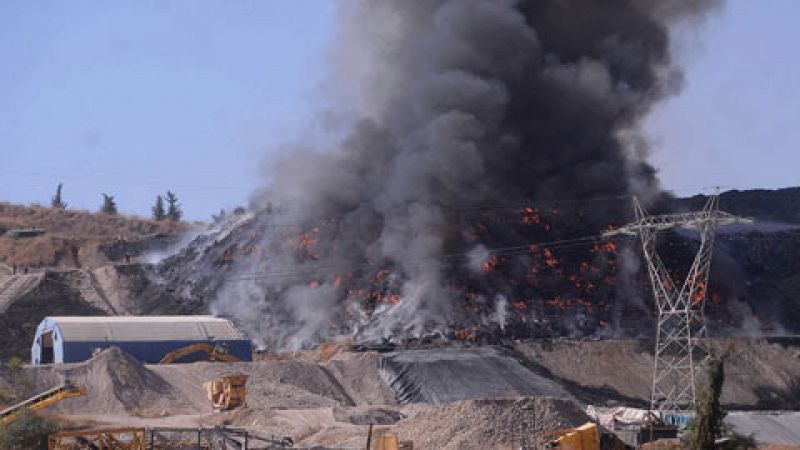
41,401
217,352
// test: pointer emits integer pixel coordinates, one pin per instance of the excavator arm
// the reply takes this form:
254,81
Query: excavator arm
214,353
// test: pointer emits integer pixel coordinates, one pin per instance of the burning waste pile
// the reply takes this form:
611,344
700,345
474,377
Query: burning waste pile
439,212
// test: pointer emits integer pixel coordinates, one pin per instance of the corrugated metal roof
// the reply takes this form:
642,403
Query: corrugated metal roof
145,328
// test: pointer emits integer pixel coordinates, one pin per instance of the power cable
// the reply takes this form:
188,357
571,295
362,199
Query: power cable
453,257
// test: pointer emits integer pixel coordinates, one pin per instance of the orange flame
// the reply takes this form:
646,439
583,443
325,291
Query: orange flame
490,264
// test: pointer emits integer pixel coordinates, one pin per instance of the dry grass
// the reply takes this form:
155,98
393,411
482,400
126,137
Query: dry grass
82,224
70,234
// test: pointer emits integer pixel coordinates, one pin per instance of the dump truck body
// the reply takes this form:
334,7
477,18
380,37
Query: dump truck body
227,392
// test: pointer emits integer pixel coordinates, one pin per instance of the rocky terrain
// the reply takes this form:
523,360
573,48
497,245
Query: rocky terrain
329,398
84,263
468,389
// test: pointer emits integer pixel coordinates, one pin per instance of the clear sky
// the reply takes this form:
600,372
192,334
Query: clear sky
136,97
736,124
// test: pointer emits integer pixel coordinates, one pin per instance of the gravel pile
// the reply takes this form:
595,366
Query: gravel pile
491,423
116,383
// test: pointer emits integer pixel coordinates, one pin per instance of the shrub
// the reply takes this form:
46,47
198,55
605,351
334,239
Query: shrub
28,432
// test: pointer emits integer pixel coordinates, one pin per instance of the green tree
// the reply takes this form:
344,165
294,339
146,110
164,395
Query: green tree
57,202
28,432
109,205
158,209
708,424
19,382
174,212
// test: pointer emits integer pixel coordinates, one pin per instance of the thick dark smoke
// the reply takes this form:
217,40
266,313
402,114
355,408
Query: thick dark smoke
459,102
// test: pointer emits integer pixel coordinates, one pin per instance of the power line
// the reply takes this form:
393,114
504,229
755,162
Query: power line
452,257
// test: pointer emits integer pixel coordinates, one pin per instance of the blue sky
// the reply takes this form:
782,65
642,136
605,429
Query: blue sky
736,124
137,97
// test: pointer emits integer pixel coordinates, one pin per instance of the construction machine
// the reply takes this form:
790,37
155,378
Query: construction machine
41,401
227,392
217,352
386,440
584,437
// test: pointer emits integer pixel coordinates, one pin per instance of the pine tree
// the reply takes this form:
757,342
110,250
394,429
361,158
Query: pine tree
216,218
158,209
174,212
57,202
109,205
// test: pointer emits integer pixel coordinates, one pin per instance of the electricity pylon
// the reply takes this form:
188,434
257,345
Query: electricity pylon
681,327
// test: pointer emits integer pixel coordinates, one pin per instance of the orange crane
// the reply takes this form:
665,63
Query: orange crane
41,401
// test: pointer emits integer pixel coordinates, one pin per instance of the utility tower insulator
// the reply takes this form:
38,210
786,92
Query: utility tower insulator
681,328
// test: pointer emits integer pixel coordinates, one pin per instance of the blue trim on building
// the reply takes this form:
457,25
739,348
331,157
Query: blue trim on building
150,351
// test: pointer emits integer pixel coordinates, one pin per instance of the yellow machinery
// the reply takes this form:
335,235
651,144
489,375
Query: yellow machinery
386,440
584,437
227,392
41,401
213,353
108,439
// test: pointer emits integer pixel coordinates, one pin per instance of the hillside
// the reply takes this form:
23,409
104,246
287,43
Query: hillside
75,239
79,266
84,263
591,289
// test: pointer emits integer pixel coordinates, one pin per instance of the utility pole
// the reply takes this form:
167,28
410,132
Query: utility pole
681,327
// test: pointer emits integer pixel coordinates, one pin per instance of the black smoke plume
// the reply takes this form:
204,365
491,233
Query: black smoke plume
458,104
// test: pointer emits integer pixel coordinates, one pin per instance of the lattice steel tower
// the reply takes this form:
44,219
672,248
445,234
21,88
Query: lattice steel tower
681,327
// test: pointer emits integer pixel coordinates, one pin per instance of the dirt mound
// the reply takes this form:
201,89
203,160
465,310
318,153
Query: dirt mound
483,424
111,290
761,373
116,383
277,384
358,374
366,416
49,293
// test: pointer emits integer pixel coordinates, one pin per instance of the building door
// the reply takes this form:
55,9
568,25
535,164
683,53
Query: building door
47,348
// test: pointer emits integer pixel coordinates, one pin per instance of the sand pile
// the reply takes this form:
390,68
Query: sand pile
482,424
116,383
276,384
